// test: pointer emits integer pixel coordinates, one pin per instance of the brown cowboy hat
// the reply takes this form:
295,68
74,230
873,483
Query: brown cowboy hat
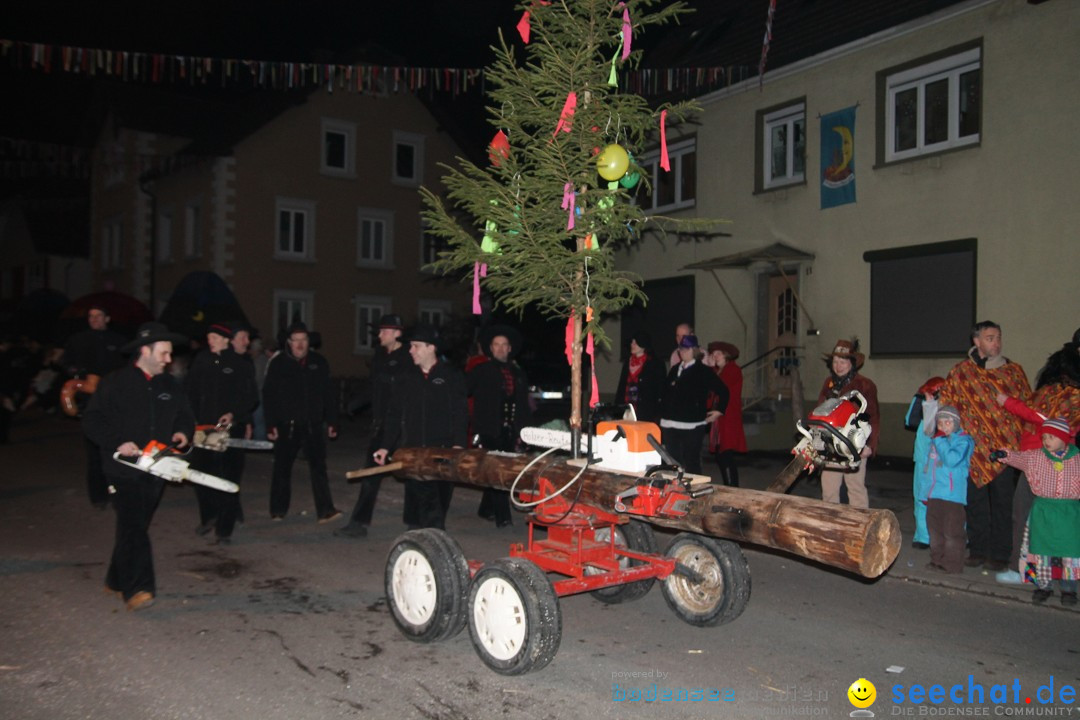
846,349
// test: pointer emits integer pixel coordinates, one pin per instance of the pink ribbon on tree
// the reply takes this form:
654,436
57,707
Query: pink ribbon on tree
568,203
590,350
567,114
665,162
626,32
523,27
479,271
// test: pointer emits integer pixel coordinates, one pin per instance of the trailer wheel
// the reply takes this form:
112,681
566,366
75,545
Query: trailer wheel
426,583
514,617
720,592
636,536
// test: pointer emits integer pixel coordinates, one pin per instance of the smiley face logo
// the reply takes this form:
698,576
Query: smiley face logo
862,693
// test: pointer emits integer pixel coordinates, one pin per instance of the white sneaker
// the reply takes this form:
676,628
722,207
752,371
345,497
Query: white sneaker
1009,577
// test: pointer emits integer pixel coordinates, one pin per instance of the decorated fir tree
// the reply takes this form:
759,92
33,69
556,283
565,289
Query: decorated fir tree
538,226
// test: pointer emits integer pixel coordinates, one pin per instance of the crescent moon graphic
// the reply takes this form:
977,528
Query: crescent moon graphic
846,146
198,317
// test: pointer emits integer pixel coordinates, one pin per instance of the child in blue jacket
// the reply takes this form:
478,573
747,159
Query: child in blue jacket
942,454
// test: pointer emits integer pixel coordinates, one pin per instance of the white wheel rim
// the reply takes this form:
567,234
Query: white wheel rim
413,584
697,597
499,618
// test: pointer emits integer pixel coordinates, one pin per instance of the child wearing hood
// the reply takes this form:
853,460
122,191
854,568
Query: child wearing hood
942,455
1052,539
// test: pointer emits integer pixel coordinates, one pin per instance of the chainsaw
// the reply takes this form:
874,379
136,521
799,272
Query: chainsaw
834,435
163,460
216,438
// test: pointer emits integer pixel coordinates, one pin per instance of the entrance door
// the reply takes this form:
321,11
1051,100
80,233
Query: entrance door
782,323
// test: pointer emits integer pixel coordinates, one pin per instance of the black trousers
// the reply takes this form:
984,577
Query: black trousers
96,485
131,569
496,503
291,438
1021,508
989,517
685,446
216,506
364,509
426,503
729,471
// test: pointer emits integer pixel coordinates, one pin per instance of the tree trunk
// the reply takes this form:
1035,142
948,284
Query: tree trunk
860,541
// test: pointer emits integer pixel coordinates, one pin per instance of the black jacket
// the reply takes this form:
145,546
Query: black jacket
128,407
386,369
428,411
221,383
299,391
487,386
686,396
650,386
93,351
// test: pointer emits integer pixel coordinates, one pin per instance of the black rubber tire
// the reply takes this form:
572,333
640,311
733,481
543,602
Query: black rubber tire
514,617
426,583
636,536
724,590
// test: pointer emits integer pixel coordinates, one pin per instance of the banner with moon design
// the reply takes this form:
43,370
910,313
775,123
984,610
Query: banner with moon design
838,158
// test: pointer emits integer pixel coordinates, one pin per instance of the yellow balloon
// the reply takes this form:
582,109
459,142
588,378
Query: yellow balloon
612,162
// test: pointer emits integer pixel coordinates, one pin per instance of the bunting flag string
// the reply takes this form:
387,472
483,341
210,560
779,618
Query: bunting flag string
161,68
766,42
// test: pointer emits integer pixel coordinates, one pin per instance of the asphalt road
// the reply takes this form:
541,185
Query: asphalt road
291,622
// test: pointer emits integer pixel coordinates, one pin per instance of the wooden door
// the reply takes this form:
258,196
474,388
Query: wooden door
783,326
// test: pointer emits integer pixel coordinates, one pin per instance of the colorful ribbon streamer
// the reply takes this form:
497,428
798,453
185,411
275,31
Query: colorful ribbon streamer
665,162
627,34
569,201
479,271
567,114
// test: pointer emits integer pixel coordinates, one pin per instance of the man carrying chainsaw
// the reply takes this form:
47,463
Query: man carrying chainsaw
844,363
133,406
221,390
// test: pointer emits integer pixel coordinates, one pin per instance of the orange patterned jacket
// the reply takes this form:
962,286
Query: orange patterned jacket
973,390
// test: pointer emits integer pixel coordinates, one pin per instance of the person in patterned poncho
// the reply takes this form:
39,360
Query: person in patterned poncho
972,387
1052,539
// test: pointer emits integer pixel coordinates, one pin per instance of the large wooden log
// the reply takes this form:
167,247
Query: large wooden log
860,541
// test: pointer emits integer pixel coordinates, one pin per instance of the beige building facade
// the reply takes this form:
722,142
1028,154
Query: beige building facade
964,153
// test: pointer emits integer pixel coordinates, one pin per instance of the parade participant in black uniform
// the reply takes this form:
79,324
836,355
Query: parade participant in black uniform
94,351
429,408
301,412
500,393
685,412
390,361
221,390
132,406
234,462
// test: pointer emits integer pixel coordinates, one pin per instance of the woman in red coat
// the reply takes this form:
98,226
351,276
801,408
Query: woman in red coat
726,437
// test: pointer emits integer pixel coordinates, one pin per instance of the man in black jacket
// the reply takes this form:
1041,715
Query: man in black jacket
429,408
390,361
132,406
94,351
221,389
301,406
500,393
685,413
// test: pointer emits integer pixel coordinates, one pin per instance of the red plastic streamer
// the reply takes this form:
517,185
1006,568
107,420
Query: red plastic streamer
665,162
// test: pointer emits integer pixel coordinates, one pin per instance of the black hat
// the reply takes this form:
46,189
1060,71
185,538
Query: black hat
643,338
489,333
389,321
219,329
296,327
240,326
426,334
150,333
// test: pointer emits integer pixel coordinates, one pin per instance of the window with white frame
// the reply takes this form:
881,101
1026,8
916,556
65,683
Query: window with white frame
781,146
163,252
671,190
932,104
408,159
112,242
338,155
193,229
295,236
374,238
368,310
433,312
291,306
431,246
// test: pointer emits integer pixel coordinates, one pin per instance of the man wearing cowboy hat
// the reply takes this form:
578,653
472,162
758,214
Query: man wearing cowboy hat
428,409
500,392
390,361
221,390
132,406
844,363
